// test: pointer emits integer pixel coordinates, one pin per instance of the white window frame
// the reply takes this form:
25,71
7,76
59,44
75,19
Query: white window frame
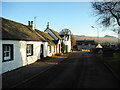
29,49
7,52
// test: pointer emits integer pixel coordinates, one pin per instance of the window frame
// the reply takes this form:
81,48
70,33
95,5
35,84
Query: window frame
10,52
30,50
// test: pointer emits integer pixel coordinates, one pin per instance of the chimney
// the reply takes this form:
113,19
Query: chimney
32,25
48,24
29,23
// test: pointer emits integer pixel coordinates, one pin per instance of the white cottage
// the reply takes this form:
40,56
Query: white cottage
67,41
66,37
57,39
20,45
50,40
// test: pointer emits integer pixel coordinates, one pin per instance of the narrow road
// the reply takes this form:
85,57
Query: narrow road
80,70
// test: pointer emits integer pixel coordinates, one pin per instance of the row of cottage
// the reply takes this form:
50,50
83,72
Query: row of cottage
21,44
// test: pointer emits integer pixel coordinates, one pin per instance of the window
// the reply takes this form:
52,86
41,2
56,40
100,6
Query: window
7,52
29,49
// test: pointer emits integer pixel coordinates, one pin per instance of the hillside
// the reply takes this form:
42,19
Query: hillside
105,39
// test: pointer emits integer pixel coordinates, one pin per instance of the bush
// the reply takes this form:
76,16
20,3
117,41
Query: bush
108,52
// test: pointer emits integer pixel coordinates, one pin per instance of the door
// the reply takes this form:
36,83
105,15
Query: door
59,48
41,51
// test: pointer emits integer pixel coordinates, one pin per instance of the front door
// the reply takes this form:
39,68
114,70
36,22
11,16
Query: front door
59,48
41,51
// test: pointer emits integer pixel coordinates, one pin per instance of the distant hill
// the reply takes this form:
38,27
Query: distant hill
109,36
106,38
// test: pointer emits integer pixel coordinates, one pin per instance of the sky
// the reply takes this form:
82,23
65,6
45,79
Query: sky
76,16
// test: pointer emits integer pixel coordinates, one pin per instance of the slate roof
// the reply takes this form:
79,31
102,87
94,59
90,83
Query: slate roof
55,33
12,30
48,38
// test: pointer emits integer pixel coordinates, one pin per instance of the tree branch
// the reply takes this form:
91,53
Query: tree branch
117,18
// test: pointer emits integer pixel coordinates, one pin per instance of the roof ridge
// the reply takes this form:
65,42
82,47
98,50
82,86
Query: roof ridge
14,21
12,30
55,32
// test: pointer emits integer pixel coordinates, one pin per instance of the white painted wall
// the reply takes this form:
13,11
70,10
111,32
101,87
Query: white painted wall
57,47
53,50
36,52
20,57
45,49
68,42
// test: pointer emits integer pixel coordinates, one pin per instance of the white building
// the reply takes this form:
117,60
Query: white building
66,37
67,41
57,39
51,45
20,46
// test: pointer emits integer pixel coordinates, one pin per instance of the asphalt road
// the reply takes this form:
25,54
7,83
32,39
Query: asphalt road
79,70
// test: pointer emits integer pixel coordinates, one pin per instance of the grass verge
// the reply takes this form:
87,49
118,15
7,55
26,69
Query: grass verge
113,62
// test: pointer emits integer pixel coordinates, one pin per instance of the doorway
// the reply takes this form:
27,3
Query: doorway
59,48
42,51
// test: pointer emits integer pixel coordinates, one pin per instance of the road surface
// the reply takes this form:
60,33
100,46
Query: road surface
79,70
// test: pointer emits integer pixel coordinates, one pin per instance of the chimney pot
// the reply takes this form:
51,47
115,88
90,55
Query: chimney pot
32,25
29,23
48,24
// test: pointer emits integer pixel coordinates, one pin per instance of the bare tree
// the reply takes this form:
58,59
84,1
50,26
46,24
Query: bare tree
108,12
65,31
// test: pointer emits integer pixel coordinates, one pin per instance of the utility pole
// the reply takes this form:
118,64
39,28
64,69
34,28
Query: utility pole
97,34
98,46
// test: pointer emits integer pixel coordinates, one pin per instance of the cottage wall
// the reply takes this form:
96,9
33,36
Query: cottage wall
45,49
52,50
68,43
20,55
58,47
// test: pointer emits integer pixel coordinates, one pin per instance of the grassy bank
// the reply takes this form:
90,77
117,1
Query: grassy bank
113,62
